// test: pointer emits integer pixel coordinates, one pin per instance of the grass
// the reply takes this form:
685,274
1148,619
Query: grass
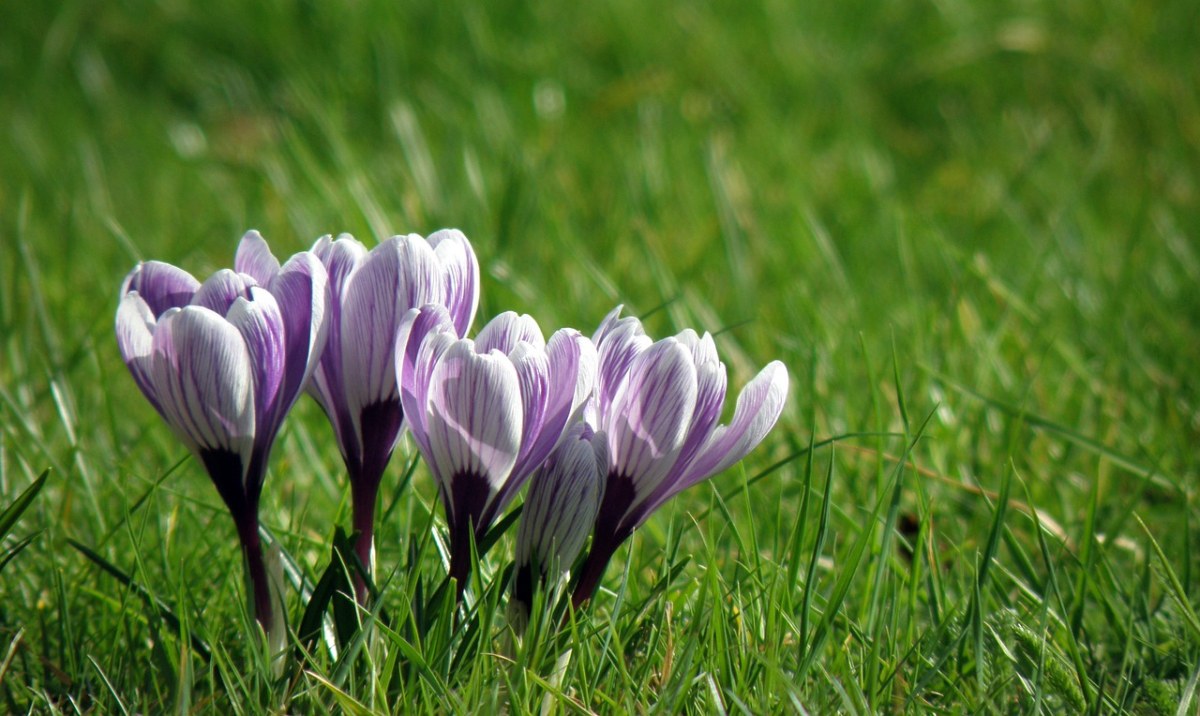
968,230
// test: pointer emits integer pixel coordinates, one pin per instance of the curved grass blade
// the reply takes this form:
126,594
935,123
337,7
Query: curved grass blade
13,512
1174,586
8,556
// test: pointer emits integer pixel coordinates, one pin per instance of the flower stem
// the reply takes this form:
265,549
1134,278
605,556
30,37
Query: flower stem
363,493
591,574
460,563
256,570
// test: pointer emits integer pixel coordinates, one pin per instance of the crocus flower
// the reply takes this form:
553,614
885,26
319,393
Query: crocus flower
560,508
223,362
659,403
355,382
486,413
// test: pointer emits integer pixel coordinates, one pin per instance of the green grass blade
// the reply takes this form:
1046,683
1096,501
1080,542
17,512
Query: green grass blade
12,552
12,513
160,607
1116,457
1174,586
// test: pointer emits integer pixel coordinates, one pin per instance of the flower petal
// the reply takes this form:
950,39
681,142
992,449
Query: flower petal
758,407
327,383
461,271
650,414
710,397
255,259
473,416
617,343
423,336
506,330
161,285
420,274
135,338
219,291
397,275
533,374
564,496
302,292
205,381
341,258
261,325
609,322
569,374
586,364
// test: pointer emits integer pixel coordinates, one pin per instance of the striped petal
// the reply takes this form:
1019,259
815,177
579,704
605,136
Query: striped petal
566,383
506,330
564,496
302,292
397,275
758,408
255,259
423,336
460,270
341,257
608,323
327,384
711,384
205,381
219,291
473,416
161,285
262,328
618,342
420,275
135,338
650,414
533,374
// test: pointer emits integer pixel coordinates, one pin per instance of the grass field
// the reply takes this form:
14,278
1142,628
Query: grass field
969,230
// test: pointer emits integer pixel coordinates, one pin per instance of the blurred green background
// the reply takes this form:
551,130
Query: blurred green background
933,201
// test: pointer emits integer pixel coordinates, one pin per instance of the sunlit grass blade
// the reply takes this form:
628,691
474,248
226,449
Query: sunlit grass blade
1174,587
1189,694
112,691
347,703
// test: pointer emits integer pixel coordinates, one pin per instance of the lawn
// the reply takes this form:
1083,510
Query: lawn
967,229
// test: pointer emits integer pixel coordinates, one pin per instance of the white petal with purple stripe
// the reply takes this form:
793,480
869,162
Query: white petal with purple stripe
473,415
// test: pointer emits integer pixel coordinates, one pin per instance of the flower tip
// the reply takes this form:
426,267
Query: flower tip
448,234
321,245
777,374
127,283
254,257
610,319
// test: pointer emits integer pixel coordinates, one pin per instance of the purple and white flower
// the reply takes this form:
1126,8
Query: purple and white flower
659,403
560,509
355,382
223,362
487,412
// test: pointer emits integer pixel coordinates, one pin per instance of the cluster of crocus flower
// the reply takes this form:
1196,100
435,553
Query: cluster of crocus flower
222,362
606,429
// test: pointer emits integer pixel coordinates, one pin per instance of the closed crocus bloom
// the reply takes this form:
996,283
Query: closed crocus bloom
560,509
486,413
355,382
223,362
659,403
